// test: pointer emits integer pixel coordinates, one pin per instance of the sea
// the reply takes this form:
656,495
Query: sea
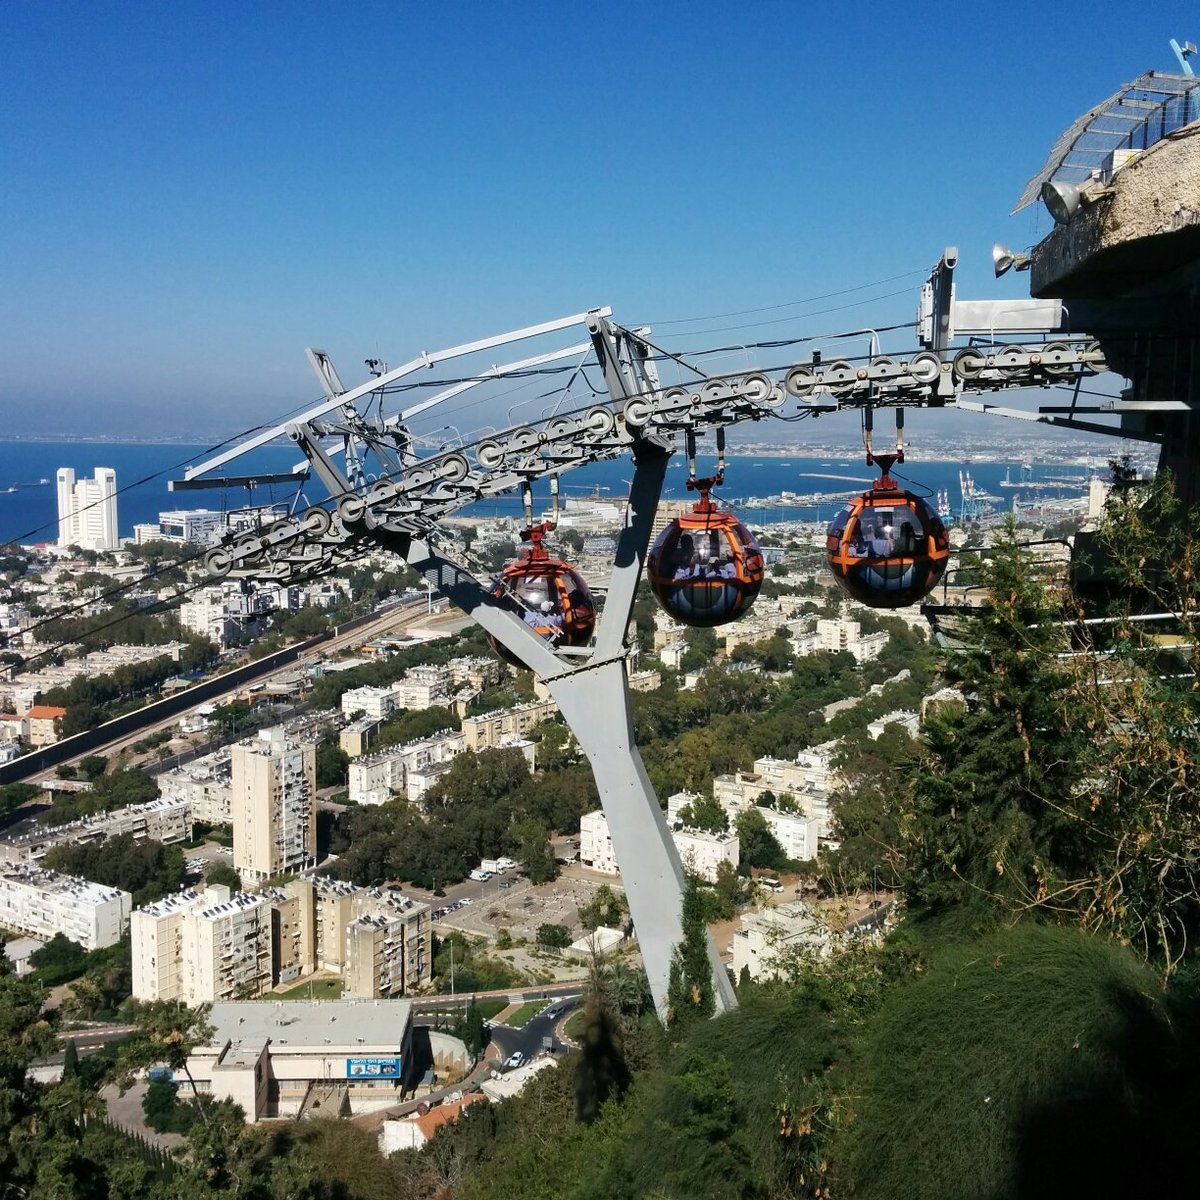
776,488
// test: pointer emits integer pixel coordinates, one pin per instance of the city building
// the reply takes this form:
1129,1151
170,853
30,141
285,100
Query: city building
389,948
768,936
42,903
415,1130
201,947
487,731
841,633
595,843
359,736
206,615
702,852
298,1057
87,510
43,725
166,820
206,784
376,703
423,687
274,785
405,770
198,526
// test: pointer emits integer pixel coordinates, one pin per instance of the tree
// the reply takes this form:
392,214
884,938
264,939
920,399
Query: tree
990,794
601,1072
533,850
223,874
70,1068
705,813
469,1029
729,887
604,908
690,986
58,960
553,937
92,766
759,847
333,763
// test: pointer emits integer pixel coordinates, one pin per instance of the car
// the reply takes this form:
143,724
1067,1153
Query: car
481,876
506,883
464,900
514,1060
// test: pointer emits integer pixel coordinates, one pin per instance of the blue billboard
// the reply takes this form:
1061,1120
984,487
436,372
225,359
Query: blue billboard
373,1068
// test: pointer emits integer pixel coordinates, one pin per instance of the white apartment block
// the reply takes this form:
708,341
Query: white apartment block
205,615
202,948
840,633
702,852
376,778
475,672
767,936
87,510
374,703
43,903
274,804
595,843
166,820
797,834
489,730
423,687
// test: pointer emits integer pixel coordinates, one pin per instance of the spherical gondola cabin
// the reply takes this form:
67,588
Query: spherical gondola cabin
705,568
549,595
887,548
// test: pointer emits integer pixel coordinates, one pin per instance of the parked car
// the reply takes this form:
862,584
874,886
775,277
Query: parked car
515,1060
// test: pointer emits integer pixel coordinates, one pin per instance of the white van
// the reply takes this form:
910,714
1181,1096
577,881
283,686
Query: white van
481,875
772,885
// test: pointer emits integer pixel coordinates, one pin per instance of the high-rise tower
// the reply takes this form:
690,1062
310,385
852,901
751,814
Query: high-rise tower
87,510
274,805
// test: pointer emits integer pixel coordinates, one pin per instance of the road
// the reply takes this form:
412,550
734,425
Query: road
530,1039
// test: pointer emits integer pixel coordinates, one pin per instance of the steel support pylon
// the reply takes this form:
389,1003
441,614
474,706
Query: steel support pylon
593,698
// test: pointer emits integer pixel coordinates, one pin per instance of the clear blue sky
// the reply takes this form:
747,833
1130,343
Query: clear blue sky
194,193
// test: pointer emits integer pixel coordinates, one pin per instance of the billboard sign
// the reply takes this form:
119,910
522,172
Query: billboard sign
373,1068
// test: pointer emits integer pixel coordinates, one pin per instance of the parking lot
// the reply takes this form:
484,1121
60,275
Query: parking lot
508,901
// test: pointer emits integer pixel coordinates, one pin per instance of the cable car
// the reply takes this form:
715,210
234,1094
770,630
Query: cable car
550,596
705,568
887,548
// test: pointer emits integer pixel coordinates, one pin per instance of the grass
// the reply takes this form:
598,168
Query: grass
491,1008
322,989
574,1026
525,1014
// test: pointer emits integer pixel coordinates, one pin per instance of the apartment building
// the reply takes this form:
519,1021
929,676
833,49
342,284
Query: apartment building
375,703
202,947
488,731
42,903
389,950
206,784
423,687
595,843
768,937
205,615
702,852
166,820
407,770
274,783
841,634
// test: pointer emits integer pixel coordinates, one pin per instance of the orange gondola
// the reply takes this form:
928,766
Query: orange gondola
705,568
550,596
887,548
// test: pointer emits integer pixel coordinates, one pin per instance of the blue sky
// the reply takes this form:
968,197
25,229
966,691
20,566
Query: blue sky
194,193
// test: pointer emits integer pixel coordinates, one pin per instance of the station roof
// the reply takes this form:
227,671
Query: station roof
1136,115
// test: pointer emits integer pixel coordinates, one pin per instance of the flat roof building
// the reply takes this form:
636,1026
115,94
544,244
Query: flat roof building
283,1058
42,903
274,787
